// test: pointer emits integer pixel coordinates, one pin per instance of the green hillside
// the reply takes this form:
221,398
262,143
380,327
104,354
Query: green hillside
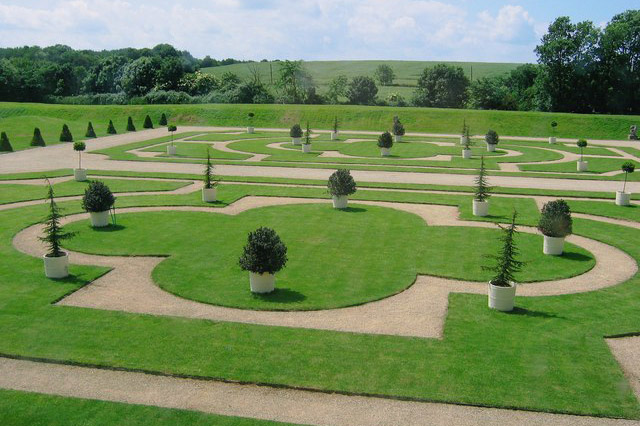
407,72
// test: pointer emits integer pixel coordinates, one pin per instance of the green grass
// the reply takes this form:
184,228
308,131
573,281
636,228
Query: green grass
607,209
565,147
596,165
197,150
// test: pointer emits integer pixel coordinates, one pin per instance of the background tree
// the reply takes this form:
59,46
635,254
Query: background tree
37,139
338,88
139,76
442,86
5,145
384,74
362,90
293,81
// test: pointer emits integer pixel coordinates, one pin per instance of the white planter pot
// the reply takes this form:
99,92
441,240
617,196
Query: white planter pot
623,198
463,140
209,195
306,147
250,129
262,283
171,149
553,245
480,208
583,166
466,154
552,139
491,147
334,136
340,202
80,175
296,141
56,267
502,298
397,138
385,152
99,219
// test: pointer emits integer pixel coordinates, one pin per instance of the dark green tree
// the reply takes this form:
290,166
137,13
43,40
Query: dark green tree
307,135
385,140
482,188
163,120
341,183
5,145
295,131
37,139
209,181
65,134
492,137
506,261
147,123
53,232
335,124
130,126
627,167
362,90
264,253
384,74
111,129
555,219
398,127
97,197
90,132
442,86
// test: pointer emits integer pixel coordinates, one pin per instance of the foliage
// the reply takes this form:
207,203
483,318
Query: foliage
555,220
79,146
130,126
97,197
198,83
442,86
468,142
482,188
295,131
172,128
384,74
582,144
37,139
335,124
111,128
507,263
209,181
627,167
5,145
362,90
338,88
264,253
554,124
385,140
307,135
163,120
492,137
65,134
53,231
250,116
90,132
139,76
341,183
294,81
397,128
147,122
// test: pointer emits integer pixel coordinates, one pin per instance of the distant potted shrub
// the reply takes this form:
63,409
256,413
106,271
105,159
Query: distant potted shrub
209,194
624,198
263,256
90,133
5,145
163,120
582,165
341,185
130,126
502,288
171,148
385,142
79,174
37,139
148,124
334,132
464,133
492,139
97,201
65,134
111,129
466,146
250,128
555,224
306,144
552,138
56,261
482,192
296,134
397,129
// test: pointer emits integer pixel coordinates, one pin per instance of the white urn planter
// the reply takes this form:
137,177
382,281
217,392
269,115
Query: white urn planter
385,152
623,198
99,219
56,267
171,150
502,298
466,154
306,148
334,136
209,195
296,141
491,147
552,139
250,129
397,138
480,208
262,283
553,245
583,166
463,140
80,175
340,201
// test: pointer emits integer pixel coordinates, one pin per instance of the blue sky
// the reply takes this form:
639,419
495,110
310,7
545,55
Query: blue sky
464,30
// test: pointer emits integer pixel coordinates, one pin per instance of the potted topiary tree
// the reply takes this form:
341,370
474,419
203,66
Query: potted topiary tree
263,256
148,124
306,145
111,129
209,194
582,165
171,148
79,174
552,138
397,129
90,133
466,146
98,200
65,134
250,128
492,139
37,139
624,198
385,142
334,133
56,261
502,288
5,145
464,133
163,120
341,185
130,126
482,190
296,134
555,224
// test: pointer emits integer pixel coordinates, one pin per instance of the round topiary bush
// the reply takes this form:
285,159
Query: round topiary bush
341,183
555,220
37,139
492,137
385,140
296,131
97,197
264,253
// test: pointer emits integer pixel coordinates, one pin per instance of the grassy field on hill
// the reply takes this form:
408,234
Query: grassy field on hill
19,119
407,72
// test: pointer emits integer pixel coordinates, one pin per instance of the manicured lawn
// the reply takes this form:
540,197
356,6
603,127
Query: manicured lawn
607,209
197,150
596,165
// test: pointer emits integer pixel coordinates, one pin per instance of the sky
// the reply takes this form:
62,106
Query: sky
452,30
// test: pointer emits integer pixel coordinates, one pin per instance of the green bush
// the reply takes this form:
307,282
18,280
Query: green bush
111,129
555,220
65,134
341,183
398,128
385,140
5,145
147,123
130,126
296,131
264,253
90,132
37,139
492,137
97,197
163,120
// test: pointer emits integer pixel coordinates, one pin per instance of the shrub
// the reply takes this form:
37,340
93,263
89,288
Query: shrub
506,260
582,144
79,147
37,139
627,167
482,186
362,90
264,253
555,220
341,183
163,120
53,231
398,128
5,145
209,181
385,140
65,134
296,131
335,124
147,123
130,126
492,137
97,197
307,135
90,132
111,129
